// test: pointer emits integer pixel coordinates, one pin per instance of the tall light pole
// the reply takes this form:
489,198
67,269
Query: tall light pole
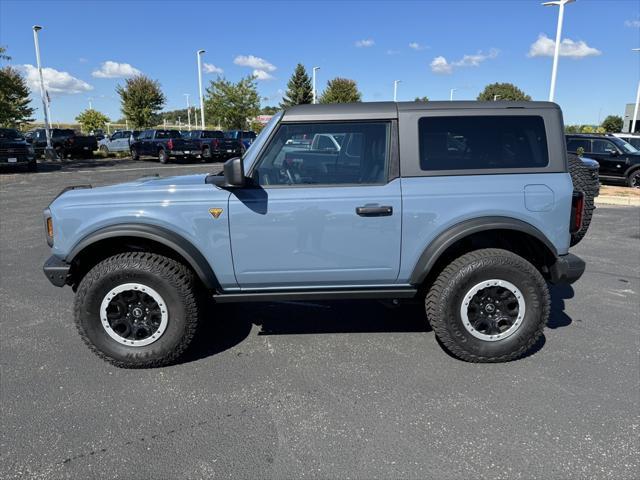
635,110
554,70
451,94
395,90
199,54
188,111
48,151
90,103
314,84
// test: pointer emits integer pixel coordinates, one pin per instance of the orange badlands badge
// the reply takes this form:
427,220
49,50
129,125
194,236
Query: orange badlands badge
216,212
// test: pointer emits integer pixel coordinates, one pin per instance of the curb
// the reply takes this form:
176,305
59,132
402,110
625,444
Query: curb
617,200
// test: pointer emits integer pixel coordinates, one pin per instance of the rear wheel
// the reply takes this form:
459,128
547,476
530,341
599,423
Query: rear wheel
206,154
138,310
134,154
162,156
489,305
633,180
104,150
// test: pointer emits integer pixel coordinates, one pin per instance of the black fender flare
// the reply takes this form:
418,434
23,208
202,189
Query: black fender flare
161,235
444,240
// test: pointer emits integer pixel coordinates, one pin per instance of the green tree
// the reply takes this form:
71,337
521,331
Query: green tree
141,99
299,90
502,91
341,90
269,110
92,120
3,53
613,124
232,105
421,99
14,98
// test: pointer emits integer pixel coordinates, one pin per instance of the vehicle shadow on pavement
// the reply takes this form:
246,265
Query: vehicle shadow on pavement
227,325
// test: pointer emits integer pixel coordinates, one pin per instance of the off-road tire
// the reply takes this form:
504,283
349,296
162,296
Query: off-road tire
633,179
162,156
583,182
134,154
172,280
445,297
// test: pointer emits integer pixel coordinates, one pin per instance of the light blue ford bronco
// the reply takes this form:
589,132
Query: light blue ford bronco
467,206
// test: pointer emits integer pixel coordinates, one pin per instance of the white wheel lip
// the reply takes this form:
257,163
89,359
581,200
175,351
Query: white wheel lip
494,282
164,311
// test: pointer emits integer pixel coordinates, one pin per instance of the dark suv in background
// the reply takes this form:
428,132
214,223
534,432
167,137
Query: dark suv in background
618,159
14,150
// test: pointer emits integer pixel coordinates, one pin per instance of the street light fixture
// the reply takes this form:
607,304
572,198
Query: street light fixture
49,152
635,110
554,70
314,84
395,90
199,54
188,111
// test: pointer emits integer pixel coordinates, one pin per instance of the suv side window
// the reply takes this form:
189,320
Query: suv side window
603,146
482,142
360,158
573,144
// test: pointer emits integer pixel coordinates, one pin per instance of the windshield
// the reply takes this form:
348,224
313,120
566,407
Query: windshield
252,152
9,133
626,147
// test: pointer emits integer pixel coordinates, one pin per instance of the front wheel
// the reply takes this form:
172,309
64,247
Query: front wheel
135,155
163,157
138,310
489,305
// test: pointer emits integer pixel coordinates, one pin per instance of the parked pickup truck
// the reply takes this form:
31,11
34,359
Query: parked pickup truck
245,136
213,145
14,150
65,141
467,207
164,145
117,142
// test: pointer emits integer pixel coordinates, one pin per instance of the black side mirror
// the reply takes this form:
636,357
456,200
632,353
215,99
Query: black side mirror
234,173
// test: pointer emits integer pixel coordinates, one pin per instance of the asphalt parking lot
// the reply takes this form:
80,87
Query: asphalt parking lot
326,390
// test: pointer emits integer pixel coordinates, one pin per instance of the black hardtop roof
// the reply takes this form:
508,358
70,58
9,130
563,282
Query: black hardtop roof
386,110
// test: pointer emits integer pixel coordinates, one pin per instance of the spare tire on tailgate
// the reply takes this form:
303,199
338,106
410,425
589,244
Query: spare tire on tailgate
583,181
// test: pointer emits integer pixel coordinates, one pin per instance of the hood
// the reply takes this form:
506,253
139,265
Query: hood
146,190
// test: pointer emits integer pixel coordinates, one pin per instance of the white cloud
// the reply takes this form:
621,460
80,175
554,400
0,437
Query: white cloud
55,82
393,52
416,46
545,47
211,68
254,62
632,23
111,69
365,43
442,66
262,75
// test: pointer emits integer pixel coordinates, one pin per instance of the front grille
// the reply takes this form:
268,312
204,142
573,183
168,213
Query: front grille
19,150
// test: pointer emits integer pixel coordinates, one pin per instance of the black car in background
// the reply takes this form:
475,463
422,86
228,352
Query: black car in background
618,159
213,145
164,145
65,141
245,136
15,150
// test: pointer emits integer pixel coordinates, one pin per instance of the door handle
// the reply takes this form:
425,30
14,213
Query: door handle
374,211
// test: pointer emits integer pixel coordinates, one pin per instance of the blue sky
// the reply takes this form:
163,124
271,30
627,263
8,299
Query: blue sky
431,46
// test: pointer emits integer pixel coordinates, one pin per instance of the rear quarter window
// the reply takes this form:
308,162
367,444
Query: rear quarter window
482,142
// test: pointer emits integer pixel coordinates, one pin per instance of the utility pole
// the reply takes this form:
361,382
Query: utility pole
395,90
49,152
554,70
315,100
188,111
199,54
